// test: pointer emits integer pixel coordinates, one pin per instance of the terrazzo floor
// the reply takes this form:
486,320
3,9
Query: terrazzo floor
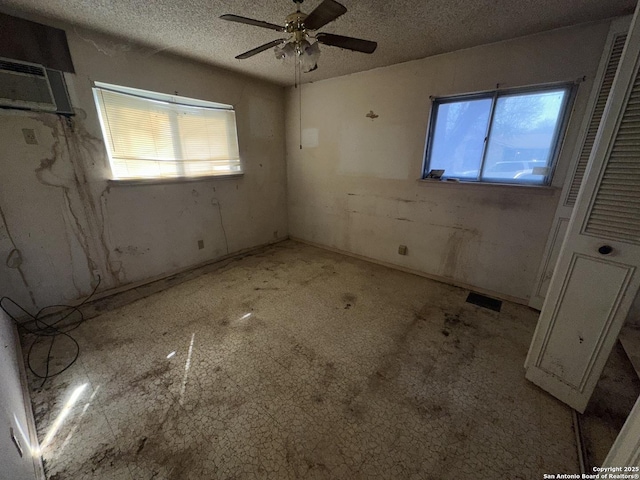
299,363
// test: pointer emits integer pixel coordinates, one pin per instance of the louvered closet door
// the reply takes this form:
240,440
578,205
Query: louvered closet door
601,89
615,212
598,270
606,82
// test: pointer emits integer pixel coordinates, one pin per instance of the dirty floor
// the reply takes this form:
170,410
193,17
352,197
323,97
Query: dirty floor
299,363
610,405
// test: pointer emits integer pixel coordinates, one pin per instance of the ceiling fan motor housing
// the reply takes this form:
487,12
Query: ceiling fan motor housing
295,25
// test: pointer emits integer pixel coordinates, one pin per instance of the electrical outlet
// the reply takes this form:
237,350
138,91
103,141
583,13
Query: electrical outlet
402,249
200,244
29,136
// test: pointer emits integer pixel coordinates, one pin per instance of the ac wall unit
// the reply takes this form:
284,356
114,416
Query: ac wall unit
25,85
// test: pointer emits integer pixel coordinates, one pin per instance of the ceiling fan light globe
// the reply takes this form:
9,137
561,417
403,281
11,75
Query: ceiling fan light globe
304,44
279,52
309,58
285,51
313,50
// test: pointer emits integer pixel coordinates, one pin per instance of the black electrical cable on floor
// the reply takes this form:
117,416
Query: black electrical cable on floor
40,326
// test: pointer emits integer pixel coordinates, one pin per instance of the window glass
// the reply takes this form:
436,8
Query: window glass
523,135
458,137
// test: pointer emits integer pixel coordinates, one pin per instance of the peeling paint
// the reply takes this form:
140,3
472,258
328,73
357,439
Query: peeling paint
453,261
394,199
18,268
70,216
107,47
14,259
86,148
131,250
67,182
470,231
65,169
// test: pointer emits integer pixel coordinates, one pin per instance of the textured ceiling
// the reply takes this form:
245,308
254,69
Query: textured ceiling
404,29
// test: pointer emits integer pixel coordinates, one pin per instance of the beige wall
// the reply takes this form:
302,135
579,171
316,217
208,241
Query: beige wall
353,186
70,224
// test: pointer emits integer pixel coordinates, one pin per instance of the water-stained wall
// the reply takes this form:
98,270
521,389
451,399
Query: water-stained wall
63,224
354,184
15,412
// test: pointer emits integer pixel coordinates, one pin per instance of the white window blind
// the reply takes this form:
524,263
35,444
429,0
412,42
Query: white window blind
164,138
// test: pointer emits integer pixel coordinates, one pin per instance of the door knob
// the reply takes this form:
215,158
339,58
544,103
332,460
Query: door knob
605,249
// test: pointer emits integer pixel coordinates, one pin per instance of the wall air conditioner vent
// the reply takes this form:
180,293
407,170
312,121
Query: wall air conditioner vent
22,68
25,85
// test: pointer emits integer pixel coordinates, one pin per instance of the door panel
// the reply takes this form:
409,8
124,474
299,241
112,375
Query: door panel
615,45
603,82
574,344
597,276
615,211
554,243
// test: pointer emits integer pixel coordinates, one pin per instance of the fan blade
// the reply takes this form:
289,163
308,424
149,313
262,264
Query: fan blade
364,46
324,13
259,49
250,21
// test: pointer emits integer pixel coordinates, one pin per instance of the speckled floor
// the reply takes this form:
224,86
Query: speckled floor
612,401
299,363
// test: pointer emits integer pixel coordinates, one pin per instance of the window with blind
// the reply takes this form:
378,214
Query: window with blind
152,135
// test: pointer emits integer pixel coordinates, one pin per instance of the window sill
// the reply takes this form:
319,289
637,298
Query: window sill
524,188
164,181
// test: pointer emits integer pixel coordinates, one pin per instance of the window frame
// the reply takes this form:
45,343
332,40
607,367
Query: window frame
494,95
163,98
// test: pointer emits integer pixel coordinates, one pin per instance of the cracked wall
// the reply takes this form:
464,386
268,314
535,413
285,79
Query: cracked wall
63,225
354,184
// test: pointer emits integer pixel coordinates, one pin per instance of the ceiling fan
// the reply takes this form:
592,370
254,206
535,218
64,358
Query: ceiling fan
300,44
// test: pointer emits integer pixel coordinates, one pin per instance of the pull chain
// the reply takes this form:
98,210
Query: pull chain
297,78
300,100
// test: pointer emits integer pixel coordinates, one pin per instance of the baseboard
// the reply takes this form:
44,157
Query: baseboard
437,278
103,294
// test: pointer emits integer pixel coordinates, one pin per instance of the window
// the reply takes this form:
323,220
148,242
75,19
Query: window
509,136
153,135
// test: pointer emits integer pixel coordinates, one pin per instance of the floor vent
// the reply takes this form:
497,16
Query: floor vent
484,301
